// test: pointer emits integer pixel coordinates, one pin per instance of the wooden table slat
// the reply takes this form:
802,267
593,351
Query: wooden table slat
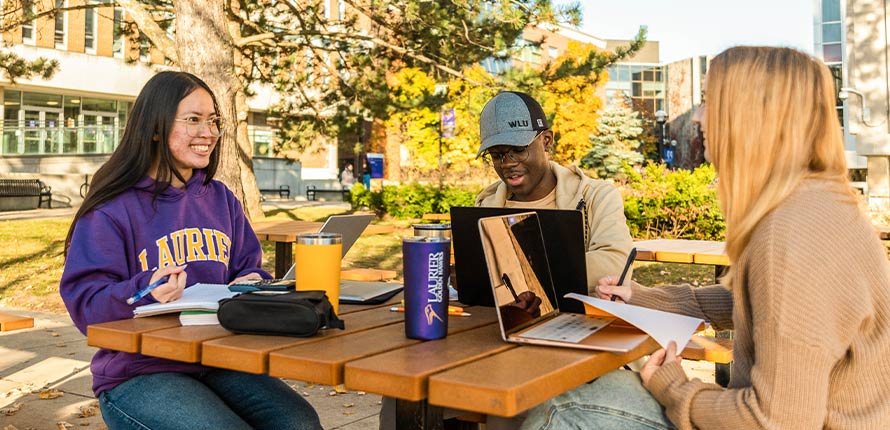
126,335
403,373
322,362
515,380
10,322
181,343
707,348
250,353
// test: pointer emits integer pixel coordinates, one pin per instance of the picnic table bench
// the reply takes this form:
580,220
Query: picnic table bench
18,188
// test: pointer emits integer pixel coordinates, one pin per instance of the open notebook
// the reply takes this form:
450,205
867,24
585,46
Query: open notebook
520,275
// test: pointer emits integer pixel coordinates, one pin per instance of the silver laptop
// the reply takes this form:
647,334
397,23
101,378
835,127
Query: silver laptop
519,272
350,228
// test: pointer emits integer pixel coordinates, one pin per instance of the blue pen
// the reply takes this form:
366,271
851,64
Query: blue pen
145,291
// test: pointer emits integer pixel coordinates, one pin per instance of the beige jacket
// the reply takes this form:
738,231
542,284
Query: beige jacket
607,237
811,319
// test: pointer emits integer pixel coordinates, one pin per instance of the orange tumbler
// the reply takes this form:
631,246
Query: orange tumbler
317,260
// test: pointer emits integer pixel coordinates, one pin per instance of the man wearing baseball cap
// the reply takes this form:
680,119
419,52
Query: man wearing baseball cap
516,141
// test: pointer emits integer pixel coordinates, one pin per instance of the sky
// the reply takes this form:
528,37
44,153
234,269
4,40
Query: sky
687,28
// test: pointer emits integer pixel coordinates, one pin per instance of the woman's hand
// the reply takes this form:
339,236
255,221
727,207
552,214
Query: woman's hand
657,359
608,286
241,279
173,288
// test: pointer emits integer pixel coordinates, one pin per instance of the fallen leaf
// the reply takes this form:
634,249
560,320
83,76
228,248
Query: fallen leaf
348,405
89,410
332,393
309,386
10,427
61,345
11,410
348,412
54,334
341,389
50,394
360,393
62,425
305,393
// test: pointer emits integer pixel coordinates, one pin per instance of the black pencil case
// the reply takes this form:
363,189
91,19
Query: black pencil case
295,313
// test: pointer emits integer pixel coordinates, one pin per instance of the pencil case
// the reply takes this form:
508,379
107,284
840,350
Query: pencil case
295,313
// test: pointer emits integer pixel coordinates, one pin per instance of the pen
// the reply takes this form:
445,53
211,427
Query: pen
450,307
630,261
452,311
509,285
145,291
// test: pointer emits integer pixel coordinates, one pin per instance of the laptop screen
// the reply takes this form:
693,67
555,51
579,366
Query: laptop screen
518,269
564,246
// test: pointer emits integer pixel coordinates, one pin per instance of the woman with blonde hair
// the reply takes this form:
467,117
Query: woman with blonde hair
808,294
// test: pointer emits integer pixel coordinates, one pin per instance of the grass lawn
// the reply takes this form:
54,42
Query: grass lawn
31,258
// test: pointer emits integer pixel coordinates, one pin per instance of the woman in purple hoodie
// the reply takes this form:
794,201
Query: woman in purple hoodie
152,210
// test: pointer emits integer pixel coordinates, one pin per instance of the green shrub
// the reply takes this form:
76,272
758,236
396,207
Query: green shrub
677,204
411,200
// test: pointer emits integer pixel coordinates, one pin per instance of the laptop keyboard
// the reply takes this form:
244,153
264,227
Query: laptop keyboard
567,327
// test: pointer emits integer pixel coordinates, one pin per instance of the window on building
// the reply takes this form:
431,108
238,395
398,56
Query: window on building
117,44
28,11
61,24
831,10
832,52
89,29
552,52
341,10
144,48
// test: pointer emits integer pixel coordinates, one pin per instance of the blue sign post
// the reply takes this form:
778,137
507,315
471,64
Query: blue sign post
375,165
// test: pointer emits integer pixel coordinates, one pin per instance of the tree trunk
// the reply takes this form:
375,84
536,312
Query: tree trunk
206,48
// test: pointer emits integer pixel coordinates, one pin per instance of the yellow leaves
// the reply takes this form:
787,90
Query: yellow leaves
50,394
90,410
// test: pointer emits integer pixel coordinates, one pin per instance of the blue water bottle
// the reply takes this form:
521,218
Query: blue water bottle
426,267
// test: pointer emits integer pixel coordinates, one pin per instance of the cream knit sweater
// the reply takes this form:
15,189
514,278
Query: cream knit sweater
811,321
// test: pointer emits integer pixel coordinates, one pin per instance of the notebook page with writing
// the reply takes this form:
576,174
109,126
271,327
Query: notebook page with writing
196,297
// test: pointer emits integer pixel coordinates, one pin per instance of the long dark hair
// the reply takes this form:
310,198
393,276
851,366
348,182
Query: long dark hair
145,139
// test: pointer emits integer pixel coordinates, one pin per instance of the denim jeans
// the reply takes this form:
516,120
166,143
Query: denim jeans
216,399
616,401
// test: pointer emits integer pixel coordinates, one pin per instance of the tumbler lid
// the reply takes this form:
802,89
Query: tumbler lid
319,238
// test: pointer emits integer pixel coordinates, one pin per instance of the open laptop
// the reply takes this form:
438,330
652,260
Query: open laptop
350,228
564,231
520,277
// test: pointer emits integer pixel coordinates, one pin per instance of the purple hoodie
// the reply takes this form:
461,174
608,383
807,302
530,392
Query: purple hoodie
116,247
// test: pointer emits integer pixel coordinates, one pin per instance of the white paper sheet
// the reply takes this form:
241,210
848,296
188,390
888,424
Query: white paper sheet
196,297
662,326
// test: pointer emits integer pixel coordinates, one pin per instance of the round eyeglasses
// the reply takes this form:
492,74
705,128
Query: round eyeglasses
193,125
518,154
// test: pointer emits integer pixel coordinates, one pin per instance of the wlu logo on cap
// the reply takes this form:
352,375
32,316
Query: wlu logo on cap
518,123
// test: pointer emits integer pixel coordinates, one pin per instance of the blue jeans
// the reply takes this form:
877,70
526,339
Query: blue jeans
616,401
216,399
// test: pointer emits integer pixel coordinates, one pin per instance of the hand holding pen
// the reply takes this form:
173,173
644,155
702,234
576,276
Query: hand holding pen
607,290
166,285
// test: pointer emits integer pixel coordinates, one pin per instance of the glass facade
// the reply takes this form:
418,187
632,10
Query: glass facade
643,84
831,46
49,124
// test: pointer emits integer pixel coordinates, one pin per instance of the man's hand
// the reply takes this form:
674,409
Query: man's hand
657,359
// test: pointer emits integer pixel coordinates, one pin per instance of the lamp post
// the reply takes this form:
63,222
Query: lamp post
661,141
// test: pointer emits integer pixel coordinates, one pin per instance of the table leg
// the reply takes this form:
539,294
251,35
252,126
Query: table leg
284,258
722,371
418,416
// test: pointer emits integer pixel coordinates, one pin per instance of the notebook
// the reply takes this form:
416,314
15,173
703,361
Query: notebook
564,231
519,272
350,228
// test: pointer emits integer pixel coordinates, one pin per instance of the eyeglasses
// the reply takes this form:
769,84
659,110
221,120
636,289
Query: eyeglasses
518,154
193,125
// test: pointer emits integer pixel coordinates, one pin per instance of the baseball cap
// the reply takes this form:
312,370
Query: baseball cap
510,118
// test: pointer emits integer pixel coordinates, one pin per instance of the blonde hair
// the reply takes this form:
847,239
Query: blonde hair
771,123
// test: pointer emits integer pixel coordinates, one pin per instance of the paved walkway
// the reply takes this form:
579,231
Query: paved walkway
45,382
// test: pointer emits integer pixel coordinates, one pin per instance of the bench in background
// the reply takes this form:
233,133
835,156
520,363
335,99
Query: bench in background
22,189
312,193
283,191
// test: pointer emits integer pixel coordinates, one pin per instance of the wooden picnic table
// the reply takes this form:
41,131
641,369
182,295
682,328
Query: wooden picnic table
284,233
682,251
471,369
